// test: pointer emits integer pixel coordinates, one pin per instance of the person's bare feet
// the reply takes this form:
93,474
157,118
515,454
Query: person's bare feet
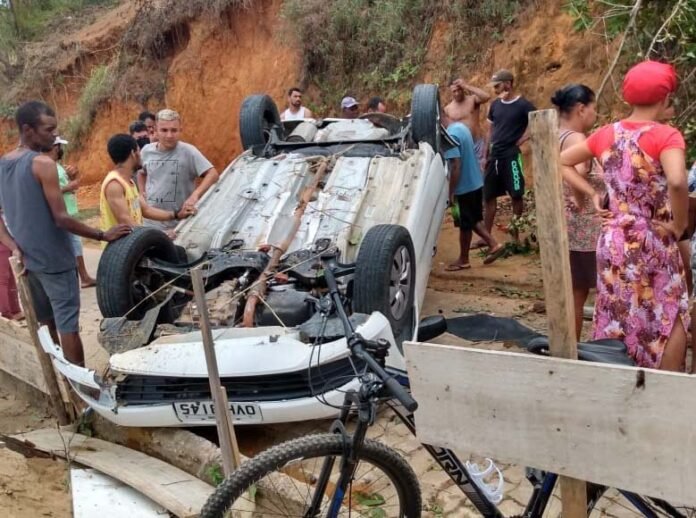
479,244
88,282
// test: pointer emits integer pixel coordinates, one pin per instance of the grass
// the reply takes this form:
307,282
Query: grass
96,91
29,18
378,46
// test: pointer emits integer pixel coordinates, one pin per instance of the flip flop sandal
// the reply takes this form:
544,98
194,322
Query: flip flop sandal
495,254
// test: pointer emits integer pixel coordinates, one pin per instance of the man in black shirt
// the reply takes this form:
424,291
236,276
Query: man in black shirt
508,118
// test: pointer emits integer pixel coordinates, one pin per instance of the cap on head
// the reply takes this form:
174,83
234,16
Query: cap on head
348,102
60,142
649,83
502,76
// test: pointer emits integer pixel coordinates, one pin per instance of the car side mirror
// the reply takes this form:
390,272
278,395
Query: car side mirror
431,327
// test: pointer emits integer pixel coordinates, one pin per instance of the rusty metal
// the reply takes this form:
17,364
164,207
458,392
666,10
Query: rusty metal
258,291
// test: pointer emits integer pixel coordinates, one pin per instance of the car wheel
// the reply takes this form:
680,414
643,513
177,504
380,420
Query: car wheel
425,116
258,117
124,286
385,277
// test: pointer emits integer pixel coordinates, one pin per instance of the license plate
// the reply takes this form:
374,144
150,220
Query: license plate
205,411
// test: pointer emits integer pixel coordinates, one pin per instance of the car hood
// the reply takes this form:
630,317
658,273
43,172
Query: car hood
255,200
243,352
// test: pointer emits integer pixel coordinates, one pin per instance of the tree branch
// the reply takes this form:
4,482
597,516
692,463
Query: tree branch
631,23
664,26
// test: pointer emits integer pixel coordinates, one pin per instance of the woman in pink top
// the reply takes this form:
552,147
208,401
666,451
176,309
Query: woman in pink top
641,293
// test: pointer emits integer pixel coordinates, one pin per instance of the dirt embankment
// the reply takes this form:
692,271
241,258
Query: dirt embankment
214,68
213,65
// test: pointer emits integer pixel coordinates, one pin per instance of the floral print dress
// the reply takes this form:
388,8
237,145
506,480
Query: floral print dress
641,290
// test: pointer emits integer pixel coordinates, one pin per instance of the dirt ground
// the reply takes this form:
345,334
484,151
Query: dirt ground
39,487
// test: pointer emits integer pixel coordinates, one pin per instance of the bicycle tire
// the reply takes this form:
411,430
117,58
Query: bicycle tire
658,507
317,446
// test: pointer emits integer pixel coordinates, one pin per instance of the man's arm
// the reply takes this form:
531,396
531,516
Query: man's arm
116,198
164,215
482,97
455,169
71,186
46,173
210,177
141,181
308,113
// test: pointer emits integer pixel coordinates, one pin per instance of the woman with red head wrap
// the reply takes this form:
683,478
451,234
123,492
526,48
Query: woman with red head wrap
641,293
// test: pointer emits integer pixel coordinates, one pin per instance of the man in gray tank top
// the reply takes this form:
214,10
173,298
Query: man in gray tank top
36,226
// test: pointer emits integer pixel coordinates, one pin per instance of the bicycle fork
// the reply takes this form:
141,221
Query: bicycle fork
349,459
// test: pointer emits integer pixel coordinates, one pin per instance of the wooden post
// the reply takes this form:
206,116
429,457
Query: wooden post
44,359
553,245
228,441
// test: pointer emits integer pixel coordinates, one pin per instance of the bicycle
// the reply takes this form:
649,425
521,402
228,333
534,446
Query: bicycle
341,474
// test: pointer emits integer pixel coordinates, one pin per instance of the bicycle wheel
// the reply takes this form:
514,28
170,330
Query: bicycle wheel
611,502
281,480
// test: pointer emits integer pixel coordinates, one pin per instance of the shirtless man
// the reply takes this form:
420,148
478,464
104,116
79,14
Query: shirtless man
295,109
465,107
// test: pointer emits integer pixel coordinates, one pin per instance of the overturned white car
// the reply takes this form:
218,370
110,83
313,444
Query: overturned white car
371,192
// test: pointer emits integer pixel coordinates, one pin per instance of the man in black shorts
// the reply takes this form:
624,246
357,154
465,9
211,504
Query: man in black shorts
508,118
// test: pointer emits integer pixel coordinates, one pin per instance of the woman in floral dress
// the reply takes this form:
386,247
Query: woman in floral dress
641,293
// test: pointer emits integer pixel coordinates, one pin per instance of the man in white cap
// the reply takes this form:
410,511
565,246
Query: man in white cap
349,108
68,183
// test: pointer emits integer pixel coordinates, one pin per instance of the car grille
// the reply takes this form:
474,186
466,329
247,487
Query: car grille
144,390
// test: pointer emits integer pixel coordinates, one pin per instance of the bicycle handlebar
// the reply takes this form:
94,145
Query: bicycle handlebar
356,344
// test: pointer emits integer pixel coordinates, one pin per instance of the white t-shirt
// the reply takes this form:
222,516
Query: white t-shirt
289,116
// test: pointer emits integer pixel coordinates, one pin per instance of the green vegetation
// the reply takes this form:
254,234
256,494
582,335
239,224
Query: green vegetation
98,89
375,45
215,474
22,20
664,30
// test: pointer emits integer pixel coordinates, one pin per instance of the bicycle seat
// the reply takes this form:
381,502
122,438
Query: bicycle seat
602,351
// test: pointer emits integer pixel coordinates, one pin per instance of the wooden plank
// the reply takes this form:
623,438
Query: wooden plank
619,426
18,358
222,419
555,264
170,487
49,374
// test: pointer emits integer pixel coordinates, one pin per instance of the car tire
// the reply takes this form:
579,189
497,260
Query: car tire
258,117
121,288
425,116
385,277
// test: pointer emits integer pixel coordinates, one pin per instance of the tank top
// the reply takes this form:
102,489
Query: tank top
289,116
45,246
584,224
108,219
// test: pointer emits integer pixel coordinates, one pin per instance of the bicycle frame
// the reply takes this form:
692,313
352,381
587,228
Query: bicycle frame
541,492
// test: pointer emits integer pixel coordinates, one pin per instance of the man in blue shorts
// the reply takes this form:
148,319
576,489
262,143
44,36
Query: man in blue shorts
466,197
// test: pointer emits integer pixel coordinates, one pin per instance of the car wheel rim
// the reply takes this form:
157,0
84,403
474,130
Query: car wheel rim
400,282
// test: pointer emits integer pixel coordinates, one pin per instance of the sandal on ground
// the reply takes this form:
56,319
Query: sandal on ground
495,254
457,267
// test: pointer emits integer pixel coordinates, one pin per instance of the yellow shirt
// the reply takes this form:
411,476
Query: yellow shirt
108,219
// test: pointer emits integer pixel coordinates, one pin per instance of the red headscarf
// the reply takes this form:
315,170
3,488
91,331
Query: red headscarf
648,83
